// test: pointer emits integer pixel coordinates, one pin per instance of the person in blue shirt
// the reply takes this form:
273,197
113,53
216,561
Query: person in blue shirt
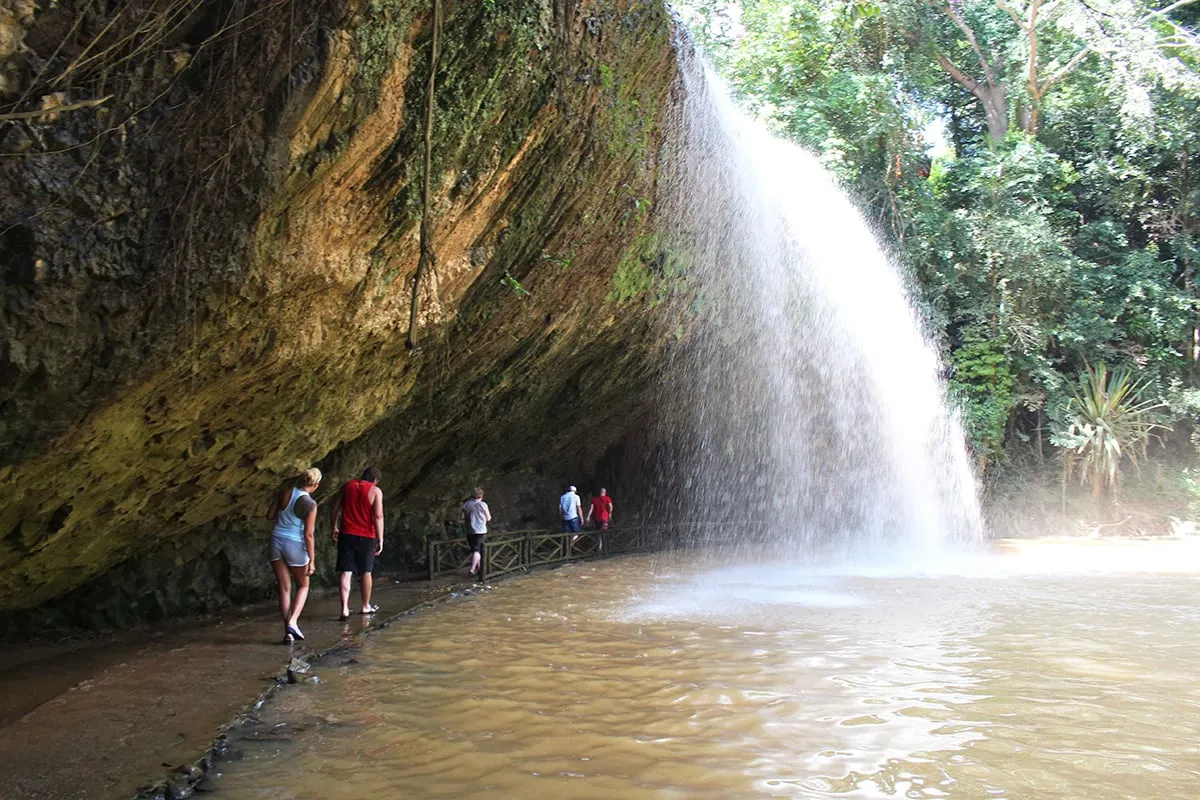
294,514
571,509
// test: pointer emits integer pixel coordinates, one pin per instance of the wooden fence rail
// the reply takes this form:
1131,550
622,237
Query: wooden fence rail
513,551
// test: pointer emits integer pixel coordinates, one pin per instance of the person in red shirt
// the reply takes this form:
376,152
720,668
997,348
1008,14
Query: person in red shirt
602,506
358,533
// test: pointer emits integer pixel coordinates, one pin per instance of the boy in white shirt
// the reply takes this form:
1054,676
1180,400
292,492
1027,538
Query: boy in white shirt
476,515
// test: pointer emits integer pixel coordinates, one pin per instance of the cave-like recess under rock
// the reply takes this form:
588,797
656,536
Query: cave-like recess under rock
209,238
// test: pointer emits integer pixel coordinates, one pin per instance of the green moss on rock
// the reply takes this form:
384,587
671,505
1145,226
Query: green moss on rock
651,267
147,499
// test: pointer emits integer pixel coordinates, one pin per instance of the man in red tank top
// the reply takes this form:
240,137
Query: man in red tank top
358,532
602,506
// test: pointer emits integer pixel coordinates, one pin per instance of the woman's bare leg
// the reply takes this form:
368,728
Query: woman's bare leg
300,577
284,580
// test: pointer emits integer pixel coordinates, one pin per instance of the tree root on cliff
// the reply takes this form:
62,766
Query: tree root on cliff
427,261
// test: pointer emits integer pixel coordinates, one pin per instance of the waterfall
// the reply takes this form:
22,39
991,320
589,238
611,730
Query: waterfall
807,403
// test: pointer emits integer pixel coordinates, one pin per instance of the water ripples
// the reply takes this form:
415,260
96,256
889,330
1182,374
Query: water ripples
590,682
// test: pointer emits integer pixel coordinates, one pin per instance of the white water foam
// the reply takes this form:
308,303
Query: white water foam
811,398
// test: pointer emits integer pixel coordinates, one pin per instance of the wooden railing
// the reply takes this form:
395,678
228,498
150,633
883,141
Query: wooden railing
513,551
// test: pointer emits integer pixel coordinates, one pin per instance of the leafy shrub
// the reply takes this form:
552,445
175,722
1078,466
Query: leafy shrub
1109,424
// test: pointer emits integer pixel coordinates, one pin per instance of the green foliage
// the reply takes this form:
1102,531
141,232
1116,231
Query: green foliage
487,91
984,384
1109,423
628,121
649,267
1191,484
1071,240
562,262
376,40
513,285
630,280
815,70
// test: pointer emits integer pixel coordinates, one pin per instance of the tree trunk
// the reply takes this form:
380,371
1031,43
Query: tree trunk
1041,453
995,107
1189,269
990,93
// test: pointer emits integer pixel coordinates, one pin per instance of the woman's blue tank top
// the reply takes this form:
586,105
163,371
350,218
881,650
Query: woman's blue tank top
287,524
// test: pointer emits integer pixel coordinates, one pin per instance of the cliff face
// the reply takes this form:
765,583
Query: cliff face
209,216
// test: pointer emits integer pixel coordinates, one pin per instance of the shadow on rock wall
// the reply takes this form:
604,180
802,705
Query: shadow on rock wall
209,238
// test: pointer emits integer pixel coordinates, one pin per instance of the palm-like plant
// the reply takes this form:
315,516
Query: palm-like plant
1109,422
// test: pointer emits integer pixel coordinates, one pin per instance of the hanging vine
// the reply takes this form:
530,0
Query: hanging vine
426,260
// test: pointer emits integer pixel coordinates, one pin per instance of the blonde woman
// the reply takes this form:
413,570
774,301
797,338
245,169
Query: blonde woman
294,513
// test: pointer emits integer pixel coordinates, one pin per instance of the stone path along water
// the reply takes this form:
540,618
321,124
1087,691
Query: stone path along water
105,717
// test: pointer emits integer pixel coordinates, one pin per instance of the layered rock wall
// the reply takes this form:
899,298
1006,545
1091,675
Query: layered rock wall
209,216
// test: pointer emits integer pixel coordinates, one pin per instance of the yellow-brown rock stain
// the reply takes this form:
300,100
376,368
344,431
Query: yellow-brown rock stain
307,357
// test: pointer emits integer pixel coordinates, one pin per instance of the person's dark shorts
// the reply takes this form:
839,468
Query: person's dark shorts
356,554
475,540
571,525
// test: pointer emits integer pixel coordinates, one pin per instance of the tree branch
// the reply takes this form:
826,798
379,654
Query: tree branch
1066,70
95,40
1162,12
1012,12
42,112
1032,34
963,78
961,24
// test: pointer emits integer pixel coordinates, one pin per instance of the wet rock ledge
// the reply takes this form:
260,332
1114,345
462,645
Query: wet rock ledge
137,714
208,230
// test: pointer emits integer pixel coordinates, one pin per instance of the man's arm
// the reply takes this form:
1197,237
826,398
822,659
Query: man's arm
336,515
588,519
377,507
487,513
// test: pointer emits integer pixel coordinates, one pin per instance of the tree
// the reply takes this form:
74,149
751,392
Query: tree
1062,230
1047,41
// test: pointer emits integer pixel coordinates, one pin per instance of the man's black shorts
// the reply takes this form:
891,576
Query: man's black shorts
356,554
475,540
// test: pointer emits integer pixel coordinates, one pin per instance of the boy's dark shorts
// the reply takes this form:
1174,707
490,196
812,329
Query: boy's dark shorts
475,540
355,554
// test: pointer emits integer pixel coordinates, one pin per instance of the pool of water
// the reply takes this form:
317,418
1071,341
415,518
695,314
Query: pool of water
1044,670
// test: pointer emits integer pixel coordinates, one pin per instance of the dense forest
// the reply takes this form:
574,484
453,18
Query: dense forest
1036,167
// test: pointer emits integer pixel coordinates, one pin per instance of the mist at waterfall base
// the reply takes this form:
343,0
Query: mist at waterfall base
806,415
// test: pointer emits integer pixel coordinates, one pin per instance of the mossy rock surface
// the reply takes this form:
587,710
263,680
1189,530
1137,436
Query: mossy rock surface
209,276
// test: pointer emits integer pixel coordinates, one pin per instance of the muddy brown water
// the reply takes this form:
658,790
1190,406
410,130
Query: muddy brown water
1049,670
100,718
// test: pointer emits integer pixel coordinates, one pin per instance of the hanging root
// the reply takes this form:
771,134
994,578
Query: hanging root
426,260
